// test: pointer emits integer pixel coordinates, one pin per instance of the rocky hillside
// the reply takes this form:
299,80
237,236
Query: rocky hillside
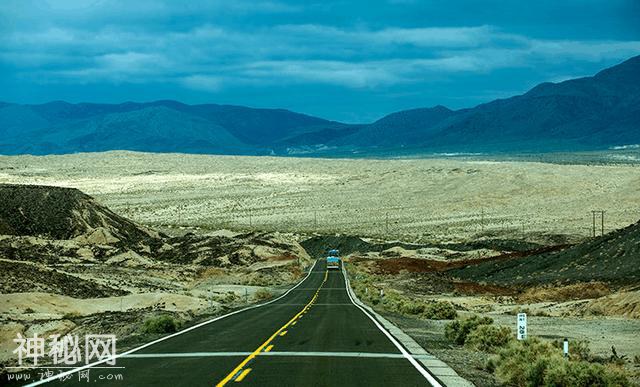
612,258
43,228
66,213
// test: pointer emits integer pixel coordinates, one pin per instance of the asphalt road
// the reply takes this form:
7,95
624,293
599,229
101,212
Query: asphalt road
313,336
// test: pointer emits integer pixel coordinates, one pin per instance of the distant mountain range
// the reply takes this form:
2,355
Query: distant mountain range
581,114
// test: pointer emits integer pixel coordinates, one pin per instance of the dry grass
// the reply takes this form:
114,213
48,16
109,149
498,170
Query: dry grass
211,272
578,291
626,303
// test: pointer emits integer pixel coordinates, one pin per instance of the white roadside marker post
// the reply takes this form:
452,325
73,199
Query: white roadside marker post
565,348
522,326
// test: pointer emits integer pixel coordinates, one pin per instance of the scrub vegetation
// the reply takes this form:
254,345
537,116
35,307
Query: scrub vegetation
535,362
393,301
161,324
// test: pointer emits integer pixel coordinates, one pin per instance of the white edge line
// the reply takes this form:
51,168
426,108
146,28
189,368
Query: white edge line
405,353
73,371
268,354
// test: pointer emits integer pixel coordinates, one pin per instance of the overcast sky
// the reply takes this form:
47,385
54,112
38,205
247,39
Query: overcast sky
352,61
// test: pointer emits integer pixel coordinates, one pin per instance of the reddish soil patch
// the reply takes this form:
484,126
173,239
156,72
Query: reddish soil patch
473,288
418,265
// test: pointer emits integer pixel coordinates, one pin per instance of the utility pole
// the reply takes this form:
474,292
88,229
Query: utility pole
593,227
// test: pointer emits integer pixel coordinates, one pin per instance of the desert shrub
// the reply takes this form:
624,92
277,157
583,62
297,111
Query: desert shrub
259,280
529,312
533,362
581,373
488,338
262,295
374,300
229,297
367,289
412,308
577,291
578,349
161,324
440,310
226,298
71,315
458,330
522,363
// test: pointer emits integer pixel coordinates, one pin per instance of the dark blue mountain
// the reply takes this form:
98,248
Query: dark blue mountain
580,114
161,126
587,113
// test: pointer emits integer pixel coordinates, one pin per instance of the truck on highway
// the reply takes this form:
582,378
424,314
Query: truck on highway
333,260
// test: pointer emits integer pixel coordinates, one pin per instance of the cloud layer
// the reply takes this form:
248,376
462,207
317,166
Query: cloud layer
221,48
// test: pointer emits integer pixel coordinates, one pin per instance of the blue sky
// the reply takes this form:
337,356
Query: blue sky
353,61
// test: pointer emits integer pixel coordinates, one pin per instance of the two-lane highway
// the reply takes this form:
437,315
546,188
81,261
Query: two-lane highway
314,335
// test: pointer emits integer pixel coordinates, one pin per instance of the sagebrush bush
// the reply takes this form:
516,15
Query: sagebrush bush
578,349
488,338
440,310
397,302
412,308
161,324
581,373
262,295
533,362
458,330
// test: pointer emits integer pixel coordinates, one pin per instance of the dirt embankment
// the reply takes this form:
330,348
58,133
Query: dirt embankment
21,277
395,265
66,213
57,226
612,258
318,245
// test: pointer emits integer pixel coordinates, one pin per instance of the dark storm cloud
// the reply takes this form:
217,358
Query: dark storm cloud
380,57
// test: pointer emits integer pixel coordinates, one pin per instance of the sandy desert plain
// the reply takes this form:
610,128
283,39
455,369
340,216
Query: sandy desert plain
411,199
440,205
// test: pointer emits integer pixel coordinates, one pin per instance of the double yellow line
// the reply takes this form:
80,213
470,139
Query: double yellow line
240,370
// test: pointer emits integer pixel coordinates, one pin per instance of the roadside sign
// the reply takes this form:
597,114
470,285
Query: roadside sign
522,326
565,347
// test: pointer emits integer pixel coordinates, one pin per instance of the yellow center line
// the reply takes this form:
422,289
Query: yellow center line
255,353
268,348
243,374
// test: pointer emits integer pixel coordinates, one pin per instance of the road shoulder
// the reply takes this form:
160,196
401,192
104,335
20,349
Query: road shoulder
445,374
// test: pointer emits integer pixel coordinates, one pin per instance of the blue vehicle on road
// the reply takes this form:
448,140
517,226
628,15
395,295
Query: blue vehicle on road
333,260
